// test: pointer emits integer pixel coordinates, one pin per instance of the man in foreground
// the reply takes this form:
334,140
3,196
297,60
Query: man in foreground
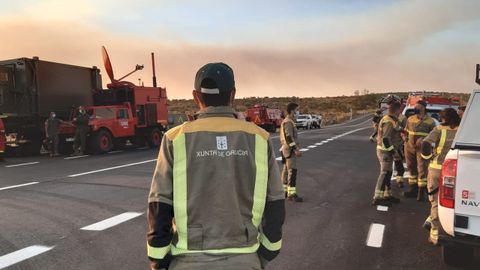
217,179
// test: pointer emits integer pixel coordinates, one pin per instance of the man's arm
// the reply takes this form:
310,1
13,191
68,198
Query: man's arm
427,143
388,129
274,214
160,209
289,138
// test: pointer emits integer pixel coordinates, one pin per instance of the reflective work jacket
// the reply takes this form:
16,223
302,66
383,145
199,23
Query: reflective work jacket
217,178
418,128
442,137
389,130
288,136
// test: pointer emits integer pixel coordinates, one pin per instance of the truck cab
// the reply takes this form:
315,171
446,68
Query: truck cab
459,192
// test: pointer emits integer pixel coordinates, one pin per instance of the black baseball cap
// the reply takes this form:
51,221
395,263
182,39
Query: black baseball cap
422,102
220,77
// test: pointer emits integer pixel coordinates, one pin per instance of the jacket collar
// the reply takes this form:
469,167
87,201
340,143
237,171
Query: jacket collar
221,111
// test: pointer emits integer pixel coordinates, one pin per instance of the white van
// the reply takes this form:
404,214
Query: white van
459,195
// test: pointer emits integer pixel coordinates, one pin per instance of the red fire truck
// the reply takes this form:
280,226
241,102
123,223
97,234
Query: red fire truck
435,103
123,112
267,118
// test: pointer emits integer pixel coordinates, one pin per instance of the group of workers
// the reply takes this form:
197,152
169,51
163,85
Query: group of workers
52,130
423,145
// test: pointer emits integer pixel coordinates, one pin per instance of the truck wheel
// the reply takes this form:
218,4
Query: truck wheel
154,138
102,142
457,255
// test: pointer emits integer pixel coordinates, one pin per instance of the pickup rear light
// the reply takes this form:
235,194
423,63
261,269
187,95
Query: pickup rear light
447,183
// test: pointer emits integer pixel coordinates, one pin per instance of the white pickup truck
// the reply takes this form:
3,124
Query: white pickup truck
459,196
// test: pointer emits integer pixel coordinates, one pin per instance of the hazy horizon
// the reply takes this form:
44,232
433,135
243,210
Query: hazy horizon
282,48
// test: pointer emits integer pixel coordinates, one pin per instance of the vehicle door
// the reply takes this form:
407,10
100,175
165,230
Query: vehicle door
123,125
467,187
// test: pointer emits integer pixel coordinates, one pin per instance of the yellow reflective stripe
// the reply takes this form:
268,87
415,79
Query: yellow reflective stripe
180,190
251,249
383,148
427,157
435,165
269,245
261,180
292,144
441,144
417,133
157,253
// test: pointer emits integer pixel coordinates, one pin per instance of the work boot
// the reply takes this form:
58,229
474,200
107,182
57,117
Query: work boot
371,139
399,180
381,201
427,225
421,195
392,199
412,193
295,198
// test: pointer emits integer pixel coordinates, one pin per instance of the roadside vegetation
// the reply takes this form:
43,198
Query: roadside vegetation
333,109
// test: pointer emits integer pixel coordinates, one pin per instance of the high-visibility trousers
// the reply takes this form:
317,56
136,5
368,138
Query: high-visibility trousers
417,166
289,175
433,185
382,188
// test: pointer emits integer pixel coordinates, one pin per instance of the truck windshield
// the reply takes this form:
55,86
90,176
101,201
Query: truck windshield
467,134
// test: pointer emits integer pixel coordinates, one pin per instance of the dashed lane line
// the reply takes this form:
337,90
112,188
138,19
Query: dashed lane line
110,222
113,168
22,164
21,185
311,146
115,152
304,150
382,208
22,254
75,157
375,235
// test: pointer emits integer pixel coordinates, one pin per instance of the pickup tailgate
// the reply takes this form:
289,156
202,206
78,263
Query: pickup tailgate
467,194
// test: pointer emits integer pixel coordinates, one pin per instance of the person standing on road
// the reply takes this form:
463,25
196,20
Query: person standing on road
290,151
377,116
442,138
217,179
52,128
418,127
81,130
389,141
400,156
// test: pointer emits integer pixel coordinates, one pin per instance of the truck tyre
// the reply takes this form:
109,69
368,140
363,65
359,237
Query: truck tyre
457,255
102,142
154,138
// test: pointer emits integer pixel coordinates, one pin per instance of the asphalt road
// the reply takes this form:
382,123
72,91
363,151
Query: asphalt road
89,212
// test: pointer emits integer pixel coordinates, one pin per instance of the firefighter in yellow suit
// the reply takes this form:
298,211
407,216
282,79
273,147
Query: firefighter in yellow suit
442,138
418,127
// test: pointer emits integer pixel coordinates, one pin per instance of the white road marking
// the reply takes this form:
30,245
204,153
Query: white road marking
113,168
21,255
319,143
21,185
311,146
304,150
375,235
75,157
278,159
325,141
114,152
22,164
382,208
110,222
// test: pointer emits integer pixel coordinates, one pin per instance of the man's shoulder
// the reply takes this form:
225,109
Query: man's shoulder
217,124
